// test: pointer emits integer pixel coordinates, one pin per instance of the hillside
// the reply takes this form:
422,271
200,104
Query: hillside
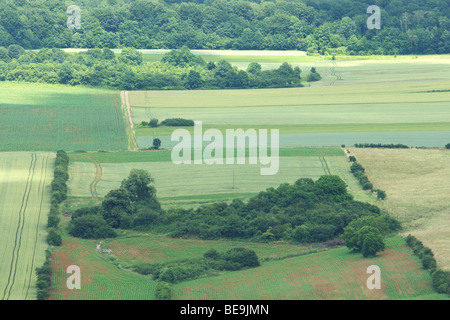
407,26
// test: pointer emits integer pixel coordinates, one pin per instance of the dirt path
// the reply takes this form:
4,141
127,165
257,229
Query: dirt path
97,178
126,109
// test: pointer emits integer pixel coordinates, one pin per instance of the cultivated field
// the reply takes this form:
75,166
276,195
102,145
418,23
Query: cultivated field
45,117
206,183
24,204
100,279
417,186
333,274
397,100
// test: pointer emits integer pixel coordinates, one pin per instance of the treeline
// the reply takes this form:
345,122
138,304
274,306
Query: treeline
58,195
381,145
212,262
359,172
440,278
315,26
304,212
179,69
44,278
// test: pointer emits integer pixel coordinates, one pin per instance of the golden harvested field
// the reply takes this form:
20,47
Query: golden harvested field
417,185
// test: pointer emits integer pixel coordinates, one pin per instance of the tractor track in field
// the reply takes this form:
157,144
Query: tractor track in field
41,190
97,178
19,229
324,164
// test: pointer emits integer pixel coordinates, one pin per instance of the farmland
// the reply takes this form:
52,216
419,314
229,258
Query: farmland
287,271
332,274
396,100
44,117
230,181
417,190
24,204
370,101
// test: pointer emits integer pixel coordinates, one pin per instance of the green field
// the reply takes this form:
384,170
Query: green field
355,97
152,248
329,275
229,182
388,95
100,279
286,271
24,205
50,118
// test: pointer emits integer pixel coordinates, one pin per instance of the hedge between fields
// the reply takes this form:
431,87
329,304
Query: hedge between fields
440,278
359,172
59,194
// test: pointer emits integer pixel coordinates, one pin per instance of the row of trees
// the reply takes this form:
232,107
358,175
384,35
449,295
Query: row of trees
323,26
59,194
359,173
440,278
179,69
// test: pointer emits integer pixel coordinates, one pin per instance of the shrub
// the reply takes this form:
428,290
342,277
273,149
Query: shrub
91,227
381,194
163,291
447,146
177,122
153,123
54,237
428,262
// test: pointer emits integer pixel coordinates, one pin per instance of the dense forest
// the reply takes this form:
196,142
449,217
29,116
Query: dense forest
315,26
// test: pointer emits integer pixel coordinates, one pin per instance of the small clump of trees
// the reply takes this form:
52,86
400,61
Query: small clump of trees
132,205
211,262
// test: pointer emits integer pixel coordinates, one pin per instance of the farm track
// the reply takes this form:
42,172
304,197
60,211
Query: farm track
19,230
126,110
97,179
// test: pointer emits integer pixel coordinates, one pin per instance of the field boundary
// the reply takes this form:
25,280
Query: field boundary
126,109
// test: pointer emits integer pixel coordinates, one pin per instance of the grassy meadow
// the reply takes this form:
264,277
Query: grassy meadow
329,275
24,204
417,187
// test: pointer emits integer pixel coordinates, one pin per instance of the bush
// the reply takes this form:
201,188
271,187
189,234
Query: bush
381,194
428,262
241,258
153,123
447,146
177,122
54,237
163,291
91,227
